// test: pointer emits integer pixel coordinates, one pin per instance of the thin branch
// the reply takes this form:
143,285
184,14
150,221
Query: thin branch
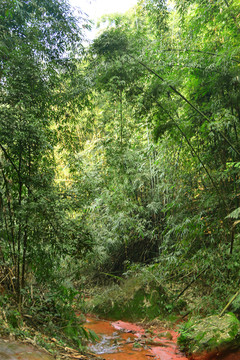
10,213
195,153
9,158
186,100
197,51
229,303
188,286
58,234
192,148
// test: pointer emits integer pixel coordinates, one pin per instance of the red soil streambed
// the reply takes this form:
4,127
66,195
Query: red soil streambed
118,341
121,340
125,341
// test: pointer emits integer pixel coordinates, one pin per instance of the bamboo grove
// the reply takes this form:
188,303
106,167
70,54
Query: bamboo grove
121,153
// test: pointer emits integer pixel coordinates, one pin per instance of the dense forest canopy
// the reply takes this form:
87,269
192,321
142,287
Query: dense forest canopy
122,155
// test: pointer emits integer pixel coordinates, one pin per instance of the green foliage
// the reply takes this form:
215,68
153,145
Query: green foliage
110,43
157,12
52,311
136,298
13,318
124,161
35,59
155,175
210,334
38,45
235,307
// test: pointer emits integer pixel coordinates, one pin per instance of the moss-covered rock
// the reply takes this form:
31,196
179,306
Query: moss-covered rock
134,299
211,334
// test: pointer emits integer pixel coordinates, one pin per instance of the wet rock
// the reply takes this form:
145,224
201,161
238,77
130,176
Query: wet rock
213,334
129,341
17,351
166,335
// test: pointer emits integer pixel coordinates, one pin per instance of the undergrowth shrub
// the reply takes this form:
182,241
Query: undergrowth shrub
136,297
54,312
48,310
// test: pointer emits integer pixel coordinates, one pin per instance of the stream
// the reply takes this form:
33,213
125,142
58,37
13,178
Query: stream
118,340
121,340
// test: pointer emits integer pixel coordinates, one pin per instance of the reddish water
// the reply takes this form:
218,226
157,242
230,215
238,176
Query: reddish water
125,341
121,340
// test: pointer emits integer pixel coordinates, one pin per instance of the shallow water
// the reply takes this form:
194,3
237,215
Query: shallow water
121,340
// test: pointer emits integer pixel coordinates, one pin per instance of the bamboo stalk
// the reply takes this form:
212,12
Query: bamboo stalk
229,303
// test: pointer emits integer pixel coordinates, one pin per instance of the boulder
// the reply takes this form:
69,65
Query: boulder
209,336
